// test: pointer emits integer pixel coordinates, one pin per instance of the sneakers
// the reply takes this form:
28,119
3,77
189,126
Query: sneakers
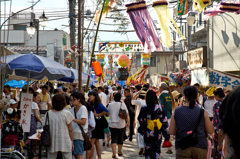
169,152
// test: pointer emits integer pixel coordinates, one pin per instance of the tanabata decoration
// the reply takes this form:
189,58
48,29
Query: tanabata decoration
210,91
229,7
143,25
182,7
123,60
139,75
145,59
166,21
200,5
181,78
109,4
131,62
100,58
97,68
110,59
211,12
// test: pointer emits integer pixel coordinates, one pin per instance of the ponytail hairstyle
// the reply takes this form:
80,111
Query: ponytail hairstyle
191,94
80,96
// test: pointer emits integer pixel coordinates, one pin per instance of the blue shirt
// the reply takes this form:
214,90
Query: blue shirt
100,108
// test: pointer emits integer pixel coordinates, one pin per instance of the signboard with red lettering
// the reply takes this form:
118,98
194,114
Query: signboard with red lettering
26,107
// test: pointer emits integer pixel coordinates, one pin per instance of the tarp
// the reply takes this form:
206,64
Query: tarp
15,83
211,77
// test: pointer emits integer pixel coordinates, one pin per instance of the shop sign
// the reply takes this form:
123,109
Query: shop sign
197,58
26,107
64,42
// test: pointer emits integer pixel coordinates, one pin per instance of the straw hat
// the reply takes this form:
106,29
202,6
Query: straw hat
175,94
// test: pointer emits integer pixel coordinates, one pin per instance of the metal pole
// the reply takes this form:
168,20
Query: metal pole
189,37
37,27
173,53
1,84
95,39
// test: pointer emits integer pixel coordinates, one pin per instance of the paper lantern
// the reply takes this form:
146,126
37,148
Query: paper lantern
100,58
145,59
123,60
97,68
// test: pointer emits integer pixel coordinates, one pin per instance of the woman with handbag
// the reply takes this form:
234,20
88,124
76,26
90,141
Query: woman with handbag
80,113
153,124
117,123
101,122
189,123
61,131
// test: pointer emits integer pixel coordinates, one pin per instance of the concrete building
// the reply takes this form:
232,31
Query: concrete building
50,41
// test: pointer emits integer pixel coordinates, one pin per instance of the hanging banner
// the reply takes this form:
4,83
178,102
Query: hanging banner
65,41
211,77
26,107
197,58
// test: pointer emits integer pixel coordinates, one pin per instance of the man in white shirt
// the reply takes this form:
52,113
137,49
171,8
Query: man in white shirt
102,95
137,89
45,99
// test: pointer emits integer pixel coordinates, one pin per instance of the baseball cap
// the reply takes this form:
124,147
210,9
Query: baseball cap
12,101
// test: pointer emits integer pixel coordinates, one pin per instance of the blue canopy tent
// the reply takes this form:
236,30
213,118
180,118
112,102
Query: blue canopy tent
15,83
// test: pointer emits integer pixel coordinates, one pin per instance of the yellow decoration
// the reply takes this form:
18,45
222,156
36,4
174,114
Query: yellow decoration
100,58
109,45
152,123
131,48
200,5
166,22
210,91
121,44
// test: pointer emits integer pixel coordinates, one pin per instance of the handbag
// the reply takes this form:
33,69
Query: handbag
166,144
45,136
101,123
87,143
122,113
189,138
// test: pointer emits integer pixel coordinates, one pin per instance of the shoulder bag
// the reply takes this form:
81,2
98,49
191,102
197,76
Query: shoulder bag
189,138
45,136
101,122
122,113
87,142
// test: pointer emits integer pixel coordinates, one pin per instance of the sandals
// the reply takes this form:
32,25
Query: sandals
169,152
113,156
120,154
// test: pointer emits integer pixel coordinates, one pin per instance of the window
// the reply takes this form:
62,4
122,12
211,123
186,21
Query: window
20,27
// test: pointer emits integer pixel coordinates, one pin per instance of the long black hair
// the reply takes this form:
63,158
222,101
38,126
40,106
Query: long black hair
80,96
97,98
191,94
151,101
229,116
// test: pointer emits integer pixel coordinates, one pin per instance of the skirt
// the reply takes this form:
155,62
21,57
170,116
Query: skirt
33,125
98,133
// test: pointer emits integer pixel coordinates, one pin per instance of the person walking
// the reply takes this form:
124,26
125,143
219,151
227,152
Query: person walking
218,95
153,124
102,95
131,110
99,112
184,120
61,130
80,113
117,124
167,102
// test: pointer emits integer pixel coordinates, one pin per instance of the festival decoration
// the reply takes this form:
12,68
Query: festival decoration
210,91
182,7
131,62
145,59
200,5
100,58
211,12
110,59
229,7
109,4
139,75
181,78
143,25
166,21
123,60
97,68
121,44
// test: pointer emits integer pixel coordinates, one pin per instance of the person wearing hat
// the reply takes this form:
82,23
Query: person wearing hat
175,95
13,103
139,101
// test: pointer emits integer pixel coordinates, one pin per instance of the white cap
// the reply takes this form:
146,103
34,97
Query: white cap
12,101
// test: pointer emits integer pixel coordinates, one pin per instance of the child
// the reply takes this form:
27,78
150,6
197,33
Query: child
12,131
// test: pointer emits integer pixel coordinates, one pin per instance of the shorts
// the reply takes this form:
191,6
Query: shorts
78,147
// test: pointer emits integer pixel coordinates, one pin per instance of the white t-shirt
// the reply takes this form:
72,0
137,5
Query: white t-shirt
82,113
113,110
34,106
209,106
44,104
9,96
139,104
103,96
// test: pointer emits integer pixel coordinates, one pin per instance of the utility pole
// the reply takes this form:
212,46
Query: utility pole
80,41
72,24
173,53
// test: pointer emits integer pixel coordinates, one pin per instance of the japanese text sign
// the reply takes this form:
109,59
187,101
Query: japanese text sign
210,77
26,107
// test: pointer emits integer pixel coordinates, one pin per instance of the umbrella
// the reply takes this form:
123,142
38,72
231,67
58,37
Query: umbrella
35,67
74,77
15,83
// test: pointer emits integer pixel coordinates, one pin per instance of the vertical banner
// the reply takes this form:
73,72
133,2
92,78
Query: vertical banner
64,41
26,107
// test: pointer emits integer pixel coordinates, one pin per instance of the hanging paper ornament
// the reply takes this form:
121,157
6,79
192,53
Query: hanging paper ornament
130,65
182,8
100,58
145,59
123,60
200,5
109,4
139,75
110,59
143,25
229,7
166,21
97,68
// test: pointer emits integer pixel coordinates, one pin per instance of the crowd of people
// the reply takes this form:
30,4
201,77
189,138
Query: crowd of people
152,115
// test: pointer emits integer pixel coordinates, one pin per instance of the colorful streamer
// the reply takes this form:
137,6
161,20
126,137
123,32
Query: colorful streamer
182,7
200,5
143,24
139,75
166,21
106,9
